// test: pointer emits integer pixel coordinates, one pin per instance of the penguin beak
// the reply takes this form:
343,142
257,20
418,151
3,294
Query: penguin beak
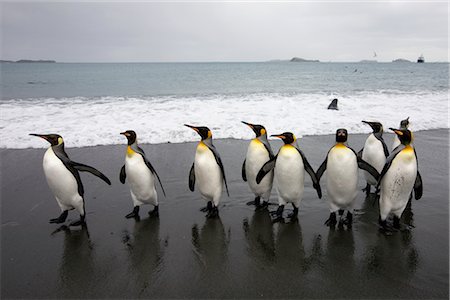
279,136
192,127
125,133
42,136
248,124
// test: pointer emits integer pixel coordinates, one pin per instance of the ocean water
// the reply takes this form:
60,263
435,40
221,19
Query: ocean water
90,104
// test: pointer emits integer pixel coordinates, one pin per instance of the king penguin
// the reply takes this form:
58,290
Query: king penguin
141,177
399,176
208,171
404,124
258,153
64,180
374,152
290,165
341,165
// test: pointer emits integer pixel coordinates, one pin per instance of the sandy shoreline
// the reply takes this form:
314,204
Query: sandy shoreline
239,255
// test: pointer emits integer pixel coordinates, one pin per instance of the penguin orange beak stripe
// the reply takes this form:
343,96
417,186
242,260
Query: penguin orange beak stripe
192,127
279,136
398,132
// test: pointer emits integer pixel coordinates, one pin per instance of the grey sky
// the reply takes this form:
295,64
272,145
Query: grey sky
137,32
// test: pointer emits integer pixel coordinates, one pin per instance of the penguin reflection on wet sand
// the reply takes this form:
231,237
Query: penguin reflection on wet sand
207,170
259,235
77,266
400,175
290,165
374,152
141,177
210,245
259,152
342,165
404,124
64,180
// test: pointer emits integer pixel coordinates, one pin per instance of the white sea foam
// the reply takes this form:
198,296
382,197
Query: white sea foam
98,121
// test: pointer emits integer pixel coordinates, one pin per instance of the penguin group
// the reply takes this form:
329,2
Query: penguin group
395,175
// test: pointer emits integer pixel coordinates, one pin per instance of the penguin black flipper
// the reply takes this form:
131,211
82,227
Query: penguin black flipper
123,174
359,154
192,178
364,165
418,189
62,155
266,168
311,173
85,168
219,162
244,175
389,161
149,165
322,169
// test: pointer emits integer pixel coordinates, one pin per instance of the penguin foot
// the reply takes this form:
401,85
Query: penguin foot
154,212
349,220
263,206
384,228
213,213
79,222
331,222
256,202
61,219
367,190
134,213
278,214
207,208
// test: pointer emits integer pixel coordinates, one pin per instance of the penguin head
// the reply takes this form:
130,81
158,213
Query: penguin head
204,132
341,135
259,130
404,123
404,135
53,139
130,135
376,126
287,137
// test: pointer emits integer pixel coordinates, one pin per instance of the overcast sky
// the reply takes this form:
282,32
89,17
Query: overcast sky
170,32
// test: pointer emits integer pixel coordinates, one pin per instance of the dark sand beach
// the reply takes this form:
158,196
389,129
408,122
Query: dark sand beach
239,255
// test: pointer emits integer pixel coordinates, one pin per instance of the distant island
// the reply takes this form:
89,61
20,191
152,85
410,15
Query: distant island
401,60
298,59
28,61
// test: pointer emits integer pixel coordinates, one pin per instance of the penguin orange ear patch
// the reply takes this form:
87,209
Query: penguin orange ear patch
398,132
263,131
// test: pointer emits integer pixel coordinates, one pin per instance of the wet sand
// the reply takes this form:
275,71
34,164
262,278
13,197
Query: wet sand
239,255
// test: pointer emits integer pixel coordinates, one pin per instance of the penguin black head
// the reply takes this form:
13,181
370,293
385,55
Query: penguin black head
130,135
204,132
287,137
341,135
53,139
259,130
404,123
376,126
404,135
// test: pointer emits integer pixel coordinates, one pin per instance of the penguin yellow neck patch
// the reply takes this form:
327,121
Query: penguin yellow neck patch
130,151
202,147
340,145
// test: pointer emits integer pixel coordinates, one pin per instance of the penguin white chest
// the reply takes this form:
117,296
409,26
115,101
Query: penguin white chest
398,182
373,153
208,175
60,180
140,178
342,176
290,174
257,156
